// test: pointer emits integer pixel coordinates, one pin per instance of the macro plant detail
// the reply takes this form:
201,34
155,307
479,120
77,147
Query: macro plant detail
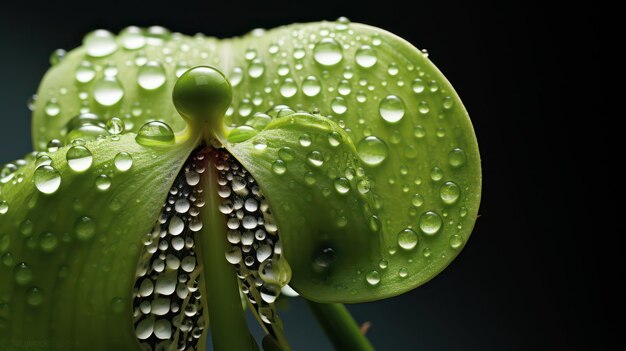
164,197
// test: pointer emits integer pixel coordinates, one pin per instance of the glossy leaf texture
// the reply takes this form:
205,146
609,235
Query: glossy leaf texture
70,249
412,138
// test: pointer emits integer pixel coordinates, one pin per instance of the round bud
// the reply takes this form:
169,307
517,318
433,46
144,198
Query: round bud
202,94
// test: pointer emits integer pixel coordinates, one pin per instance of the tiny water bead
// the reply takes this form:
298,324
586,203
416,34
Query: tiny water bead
449,192
52,107
103,182
151,75
288,88
22,274
47,179
392,109
407,239
403,273
372,151
315,158
430,223
342,185
100,43
417,200
327,52
85,228
279,167
365,56
79,158
457,157
338,105
436,174
123,161
372,278
256,68
155,133
115,126
108,91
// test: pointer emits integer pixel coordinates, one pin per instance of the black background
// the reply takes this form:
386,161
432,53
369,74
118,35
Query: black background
524,280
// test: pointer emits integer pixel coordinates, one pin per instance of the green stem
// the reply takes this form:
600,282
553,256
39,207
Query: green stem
340,327
229,330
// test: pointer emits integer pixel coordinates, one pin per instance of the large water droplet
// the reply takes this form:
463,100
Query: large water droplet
79,158
366,56
115,126
372,151
108,91
391,108
47,179
327,52
288,88
430,223
457,157
407,239
151,76
155,133
449,192
85,228
100,43
372,278
123,161
311,86
85,72
132,38
22,274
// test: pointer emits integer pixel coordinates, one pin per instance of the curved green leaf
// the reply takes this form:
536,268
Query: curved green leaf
409,128
69,257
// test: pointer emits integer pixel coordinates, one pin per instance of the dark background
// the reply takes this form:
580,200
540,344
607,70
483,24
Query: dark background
524,280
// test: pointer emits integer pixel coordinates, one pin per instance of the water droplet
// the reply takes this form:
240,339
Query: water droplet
423,107
366,56
327,52
256,68
344,88
342,185
85,72
364,186
372,278
32,100
311,86
457,157
372,150
316,159
270,292
391,109
115,126
103,182
144,329
34,297
163,329
286,154
26,227
22,274
52,107
403,273
436,174
47,179
4,207
132,38
334,139
456,241
419,131
123,161
448,102
57,56
85,228
79,158
151,75
418,86
100,43
288,88
283,69
155,133
407,239
393,69
338,105
108,91
279,167
449,192
430,223
48,241
417,200
305,140
324,259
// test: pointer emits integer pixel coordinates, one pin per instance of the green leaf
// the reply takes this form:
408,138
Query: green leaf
69,257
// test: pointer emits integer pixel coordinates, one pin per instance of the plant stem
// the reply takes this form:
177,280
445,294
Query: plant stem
340,327
229,330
